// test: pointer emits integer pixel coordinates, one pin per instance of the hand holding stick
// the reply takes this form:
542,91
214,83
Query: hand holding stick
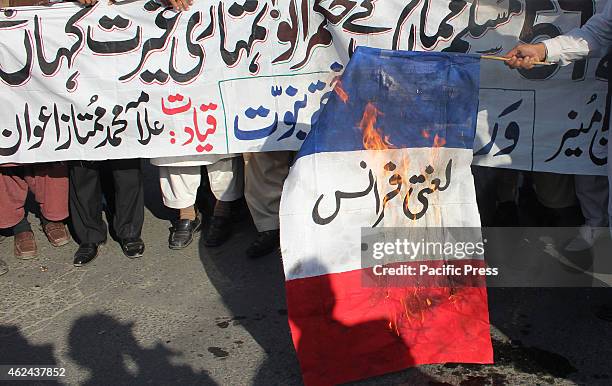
526,56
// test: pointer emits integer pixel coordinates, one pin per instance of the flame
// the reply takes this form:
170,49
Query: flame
372,136
394,322
413,310
340,92
414,307
374,139
438,141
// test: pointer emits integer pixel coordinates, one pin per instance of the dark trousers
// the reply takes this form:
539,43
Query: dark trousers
86,199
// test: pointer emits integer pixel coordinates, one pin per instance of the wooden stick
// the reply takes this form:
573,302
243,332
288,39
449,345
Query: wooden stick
491,57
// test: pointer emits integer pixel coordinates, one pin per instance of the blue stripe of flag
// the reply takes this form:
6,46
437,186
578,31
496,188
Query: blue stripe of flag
420,95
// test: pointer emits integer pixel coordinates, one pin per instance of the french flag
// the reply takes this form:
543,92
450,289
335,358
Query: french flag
392,148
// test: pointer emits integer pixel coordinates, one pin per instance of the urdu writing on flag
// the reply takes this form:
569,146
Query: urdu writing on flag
392,148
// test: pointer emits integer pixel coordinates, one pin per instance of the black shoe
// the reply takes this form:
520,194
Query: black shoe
219,231
181,233
265,243
86,253
133,248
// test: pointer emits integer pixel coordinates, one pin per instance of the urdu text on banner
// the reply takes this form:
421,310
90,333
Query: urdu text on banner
141,80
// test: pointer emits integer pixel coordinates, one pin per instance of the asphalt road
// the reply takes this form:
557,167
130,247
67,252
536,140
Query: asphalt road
213,317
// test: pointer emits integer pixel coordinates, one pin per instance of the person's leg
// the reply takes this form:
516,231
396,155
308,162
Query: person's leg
265,174
14,191
226,178
605,312
49,184
593,196
227,184
179,187
608,121
610,183
557,193
592,193
496,195
485,186
85,201
129,205
507,183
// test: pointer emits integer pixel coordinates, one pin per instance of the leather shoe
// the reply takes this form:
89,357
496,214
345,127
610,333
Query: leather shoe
56,233
219,231
25,245
133,248
182,232
265,243
85,254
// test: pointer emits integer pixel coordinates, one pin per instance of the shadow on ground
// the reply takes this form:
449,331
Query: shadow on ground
254,293
109,352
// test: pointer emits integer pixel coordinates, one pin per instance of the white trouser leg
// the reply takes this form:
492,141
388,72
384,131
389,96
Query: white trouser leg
179,185
593,192
227,178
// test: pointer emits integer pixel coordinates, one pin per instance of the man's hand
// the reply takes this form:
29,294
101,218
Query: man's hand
88,2
525,55
181,5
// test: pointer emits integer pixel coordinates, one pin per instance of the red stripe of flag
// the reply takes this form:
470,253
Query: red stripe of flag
344,331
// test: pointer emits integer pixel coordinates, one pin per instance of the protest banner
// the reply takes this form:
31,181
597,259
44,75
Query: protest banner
140,80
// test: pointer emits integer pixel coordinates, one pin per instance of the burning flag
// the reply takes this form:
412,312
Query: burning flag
390,155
